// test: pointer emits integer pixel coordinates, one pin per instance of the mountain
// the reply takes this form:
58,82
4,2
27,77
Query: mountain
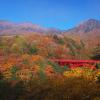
86,27
10,28
90,26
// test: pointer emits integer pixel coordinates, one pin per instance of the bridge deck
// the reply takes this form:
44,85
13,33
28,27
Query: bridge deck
75,61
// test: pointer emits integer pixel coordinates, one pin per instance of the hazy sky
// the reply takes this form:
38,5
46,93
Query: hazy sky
61,14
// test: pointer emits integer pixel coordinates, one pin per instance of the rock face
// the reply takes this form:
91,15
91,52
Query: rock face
10,28
85,27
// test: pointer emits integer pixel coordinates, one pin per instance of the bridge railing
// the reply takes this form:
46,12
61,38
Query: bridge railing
76,63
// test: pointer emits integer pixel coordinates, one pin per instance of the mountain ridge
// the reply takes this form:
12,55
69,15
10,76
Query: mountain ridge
8,27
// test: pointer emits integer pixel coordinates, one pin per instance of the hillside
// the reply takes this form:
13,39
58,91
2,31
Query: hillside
28,67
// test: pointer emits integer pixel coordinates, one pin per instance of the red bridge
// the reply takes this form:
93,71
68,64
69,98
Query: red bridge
77,63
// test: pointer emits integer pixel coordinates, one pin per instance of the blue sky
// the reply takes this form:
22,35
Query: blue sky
61,14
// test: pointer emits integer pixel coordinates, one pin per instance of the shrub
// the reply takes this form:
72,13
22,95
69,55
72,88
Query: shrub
33,49
57,68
